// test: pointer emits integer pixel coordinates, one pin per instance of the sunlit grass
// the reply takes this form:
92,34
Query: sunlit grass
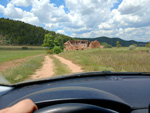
59,68
111,59
8,55
23,71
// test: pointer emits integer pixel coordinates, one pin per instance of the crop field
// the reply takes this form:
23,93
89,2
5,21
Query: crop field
20,47
16,71
108,59
111,59
23,71
8,55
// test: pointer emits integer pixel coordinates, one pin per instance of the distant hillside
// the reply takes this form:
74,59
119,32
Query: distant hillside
20,33
112,41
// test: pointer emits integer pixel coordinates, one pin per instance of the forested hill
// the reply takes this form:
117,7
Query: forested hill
20,33
112,41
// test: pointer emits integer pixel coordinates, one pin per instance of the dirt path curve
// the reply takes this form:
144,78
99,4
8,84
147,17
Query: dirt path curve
46,70
73,67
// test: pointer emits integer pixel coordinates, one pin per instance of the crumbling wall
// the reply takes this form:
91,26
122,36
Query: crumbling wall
80,45
94,44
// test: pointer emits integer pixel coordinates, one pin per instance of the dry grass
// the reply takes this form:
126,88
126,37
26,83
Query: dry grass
60,69
112,59
23,71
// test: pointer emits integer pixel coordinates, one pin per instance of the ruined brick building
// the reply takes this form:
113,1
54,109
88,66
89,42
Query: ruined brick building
81,45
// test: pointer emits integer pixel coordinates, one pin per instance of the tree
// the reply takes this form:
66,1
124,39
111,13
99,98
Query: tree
48,41
118,44
106,45
148,45
57,49
135,45
132,47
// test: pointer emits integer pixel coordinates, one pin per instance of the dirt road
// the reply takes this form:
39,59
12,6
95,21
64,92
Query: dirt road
73,67
46,70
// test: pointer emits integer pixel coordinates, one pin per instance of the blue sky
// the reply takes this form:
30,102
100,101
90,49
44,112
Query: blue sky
84,18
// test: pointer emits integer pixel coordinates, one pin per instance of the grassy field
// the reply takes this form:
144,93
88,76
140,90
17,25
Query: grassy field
8,55
23,71
60,69
111,59
20,47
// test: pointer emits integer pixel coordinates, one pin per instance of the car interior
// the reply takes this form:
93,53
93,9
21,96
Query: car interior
98,92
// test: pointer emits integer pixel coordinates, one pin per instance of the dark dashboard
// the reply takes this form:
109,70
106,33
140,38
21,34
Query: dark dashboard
123,94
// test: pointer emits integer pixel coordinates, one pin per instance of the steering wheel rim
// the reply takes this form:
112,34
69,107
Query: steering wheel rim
74,108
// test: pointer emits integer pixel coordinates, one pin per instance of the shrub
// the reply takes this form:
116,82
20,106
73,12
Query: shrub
50,51
135,45
132,47
106,45
25,48
57,49
148,45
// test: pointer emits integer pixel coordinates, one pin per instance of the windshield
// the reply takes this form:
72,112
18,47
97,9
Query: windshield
47,38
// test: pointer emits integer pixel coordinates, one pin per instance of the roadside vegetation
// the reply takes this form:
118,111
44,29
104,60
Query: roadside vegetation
10,47
55,43
59,69
23,71
111,59
8,55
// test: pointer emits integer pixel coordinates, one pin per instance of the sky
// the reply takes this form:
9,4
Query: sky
126,19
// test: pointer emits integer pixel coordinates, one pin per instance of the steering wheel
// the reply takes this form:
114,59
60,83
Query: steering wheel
74,108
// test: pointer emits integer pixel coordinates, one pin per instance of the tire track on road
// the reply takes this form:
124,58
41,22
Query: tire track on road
73,67
46,71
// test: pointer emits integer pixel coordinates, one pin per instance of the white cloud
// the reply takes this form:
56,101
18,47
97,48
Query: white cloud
52,26
48,13
104,26
24,3
86,18
88,12
134,34
61,32
18,14
1,9
30,18
12,11
132,13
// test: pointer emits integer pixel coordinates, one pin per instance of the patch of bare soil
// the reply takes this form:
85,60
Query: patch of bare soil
11,64
14,63
46,70
73,67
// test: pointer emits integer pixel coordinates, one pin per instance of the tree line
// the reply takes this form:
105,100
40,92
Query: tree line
20,33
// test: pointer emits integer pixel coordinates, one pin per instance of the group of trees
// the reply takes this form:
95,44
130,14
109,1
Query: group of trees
112,41
20,33
106,45
118,44
56,42
148,45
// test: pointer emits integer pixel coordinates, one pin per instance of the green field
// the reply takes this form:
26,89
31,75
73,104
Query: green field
20,47
111,59
19,73
23,71
8,55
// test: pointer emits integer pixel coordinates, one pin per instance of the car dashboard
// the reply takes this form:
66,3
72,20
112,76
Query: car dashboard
121,94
